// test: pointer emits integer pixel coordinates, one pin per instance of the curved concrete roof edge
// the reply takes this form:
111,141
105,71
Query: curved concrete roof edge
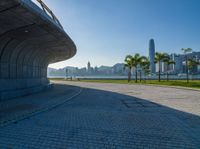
31,6
30,40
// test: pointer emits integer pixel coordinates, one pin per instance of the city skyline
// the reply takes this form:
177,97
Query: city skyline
149,56
176,68
110,30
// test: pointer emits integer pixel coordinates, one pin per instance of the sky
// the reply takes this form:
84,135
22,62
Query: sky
105,31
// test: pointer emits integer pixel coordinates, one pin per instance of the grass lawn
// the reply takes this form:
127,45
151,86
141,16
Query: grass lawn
181,83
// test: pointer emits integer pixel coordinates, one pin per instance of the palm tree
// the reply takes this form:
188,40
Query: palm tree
133,62
168,61
128,64
136,61
160,57
191,64
185,51
145,64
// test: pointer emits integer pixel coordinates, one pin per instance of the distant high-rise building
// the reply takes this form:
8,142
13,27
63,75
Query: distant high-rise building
178,66
95,69
88,67
152,56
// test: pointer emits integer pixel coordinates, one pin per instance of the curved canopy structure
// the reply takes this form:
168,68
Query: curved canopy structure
31,38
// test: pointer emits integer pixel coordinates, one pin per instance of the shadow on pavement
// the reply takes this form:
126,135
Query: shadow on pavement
104,119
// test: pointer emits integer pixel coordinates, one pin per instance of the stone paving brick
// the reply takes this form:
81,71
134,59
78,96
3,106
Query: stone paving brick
21,107
99,119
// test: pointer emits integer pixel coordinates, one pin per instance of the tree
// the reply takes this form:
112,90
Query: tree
160,57
145,64
128,64
191,64
185,51
137,59
168,61
133,62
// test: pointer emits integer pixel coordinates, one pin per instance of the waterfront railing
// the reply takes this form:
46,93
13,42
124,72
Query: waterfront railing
49,12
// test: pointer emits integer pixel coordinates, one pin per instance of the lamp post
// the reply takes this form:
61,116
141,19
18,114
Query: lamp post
66,73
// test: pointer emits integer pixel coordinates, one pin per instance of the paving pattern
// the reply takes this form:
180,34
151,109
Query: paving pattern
107,116
20,108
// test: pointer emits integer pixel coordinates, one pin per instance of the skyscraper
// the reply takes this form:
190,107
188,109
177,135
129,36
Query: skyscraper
88,67
152,55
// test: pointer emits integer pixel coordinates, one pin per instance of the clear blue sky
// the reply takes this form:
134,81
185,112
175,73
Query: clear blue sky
105,31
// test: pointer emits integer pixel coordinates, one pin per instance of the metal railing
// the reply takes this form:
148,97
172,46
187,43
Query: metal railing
49,12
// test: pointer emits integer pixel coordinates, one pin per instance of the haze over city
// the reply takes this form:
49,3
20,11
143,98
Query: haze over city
105,32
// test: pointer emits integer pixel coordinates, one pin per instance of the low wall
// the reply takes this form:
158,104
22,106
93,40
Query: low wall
22,87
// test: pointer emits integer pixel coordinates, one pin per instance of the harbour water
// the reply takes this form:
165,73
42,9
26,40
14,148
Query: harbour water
172,77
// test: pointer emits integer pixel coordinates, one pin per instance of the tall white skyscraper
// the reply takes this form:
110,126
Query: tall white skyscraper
152,56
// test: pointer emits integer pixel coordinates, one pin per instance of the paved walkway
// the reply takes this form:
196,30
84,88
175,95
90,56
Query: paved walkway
112,116
20,108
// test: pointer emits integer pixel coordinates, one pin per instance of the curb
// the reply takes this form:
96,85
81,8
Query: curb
167,86
155,85
38,111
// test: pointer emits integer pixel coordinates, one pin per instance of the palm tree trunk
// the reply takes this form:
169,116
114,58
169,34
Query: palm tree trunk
159,75
140,76
167,76
187,70
159,71
136,75
129,76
